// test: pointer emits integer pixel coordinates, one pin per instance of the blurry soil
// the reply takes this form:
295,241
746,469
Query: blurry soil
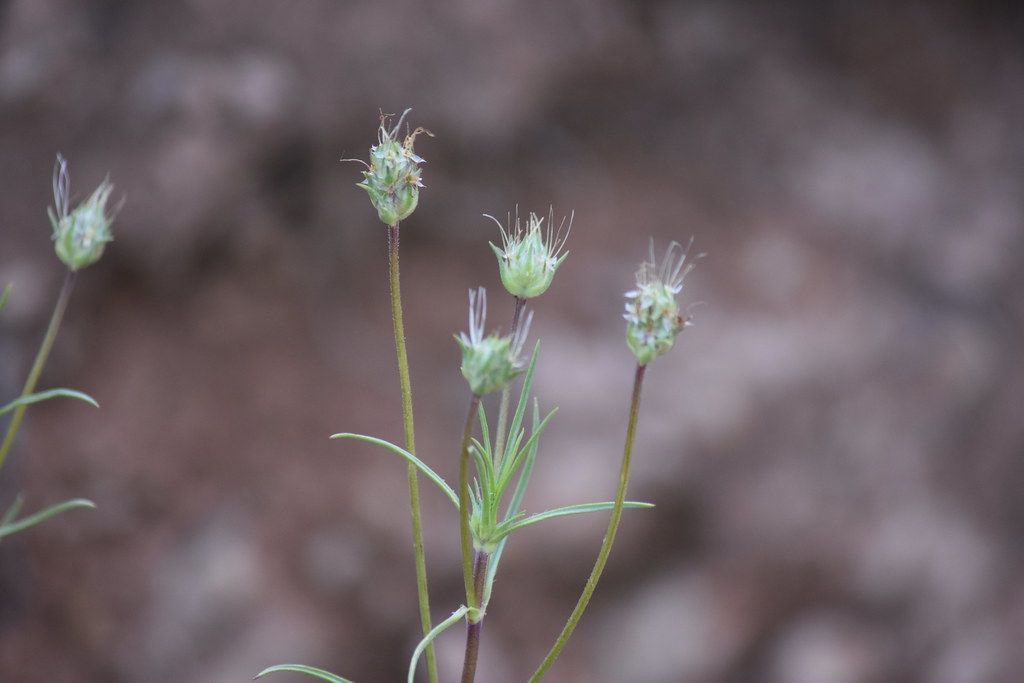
834,449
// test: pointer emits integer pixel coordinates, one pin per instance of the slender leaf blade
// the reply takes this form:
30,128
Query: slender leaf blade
423,467
524,397
302,669
14,527
530,448
429,638
570,510
44,395
485,432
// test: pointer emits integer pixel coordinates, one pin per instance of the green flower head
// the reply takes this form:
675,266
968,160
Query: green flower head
489,362
652,314
80,235
528,259
392,178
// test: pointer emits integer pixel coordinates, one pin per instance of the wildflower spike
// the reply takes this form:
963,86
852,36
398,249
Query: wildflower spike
528,259
489,363
80,235
652,313
392,178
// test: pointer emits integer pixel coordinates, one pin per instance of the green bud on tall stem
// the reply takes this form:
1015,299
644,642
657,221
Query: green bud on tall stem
392,178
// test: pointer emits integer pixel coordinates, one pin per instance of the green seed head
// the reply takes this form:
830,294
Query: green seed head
652,314
528,259
80,235
489,363
392,178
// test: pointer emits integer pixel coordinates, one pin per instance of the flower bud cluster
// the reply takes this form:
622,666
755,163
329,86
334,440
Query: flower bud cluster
653,318
528,259
80,235
392,178
489,363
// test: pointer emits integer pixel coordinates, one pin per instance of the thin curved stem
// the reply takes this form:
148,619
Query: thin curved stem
410,445
40,361
609,537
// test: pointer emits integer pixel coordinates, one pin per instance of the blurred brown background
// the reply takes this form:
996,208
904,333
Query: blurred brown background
835,449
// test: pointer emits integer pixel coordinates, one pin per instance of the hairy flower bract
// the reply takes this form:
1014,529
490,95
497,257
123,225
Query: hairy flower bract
80,235
392,178
528,259
489,362
653,318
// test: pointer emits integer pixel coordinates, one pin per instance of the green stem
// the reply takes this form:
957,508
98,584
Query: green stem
37,366
410,445
465,536
609,538
499,446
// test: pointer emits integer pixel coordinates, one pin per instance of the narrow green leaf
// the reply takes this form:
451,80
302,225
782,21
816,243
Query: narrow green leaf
513,456
483,483
474,498
512,512
483,462
492,568
531,459
524,397
530,448
4,296
485,432
570,510
302,669
49,393
429,638
436,478
507,468
490,497
9,528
